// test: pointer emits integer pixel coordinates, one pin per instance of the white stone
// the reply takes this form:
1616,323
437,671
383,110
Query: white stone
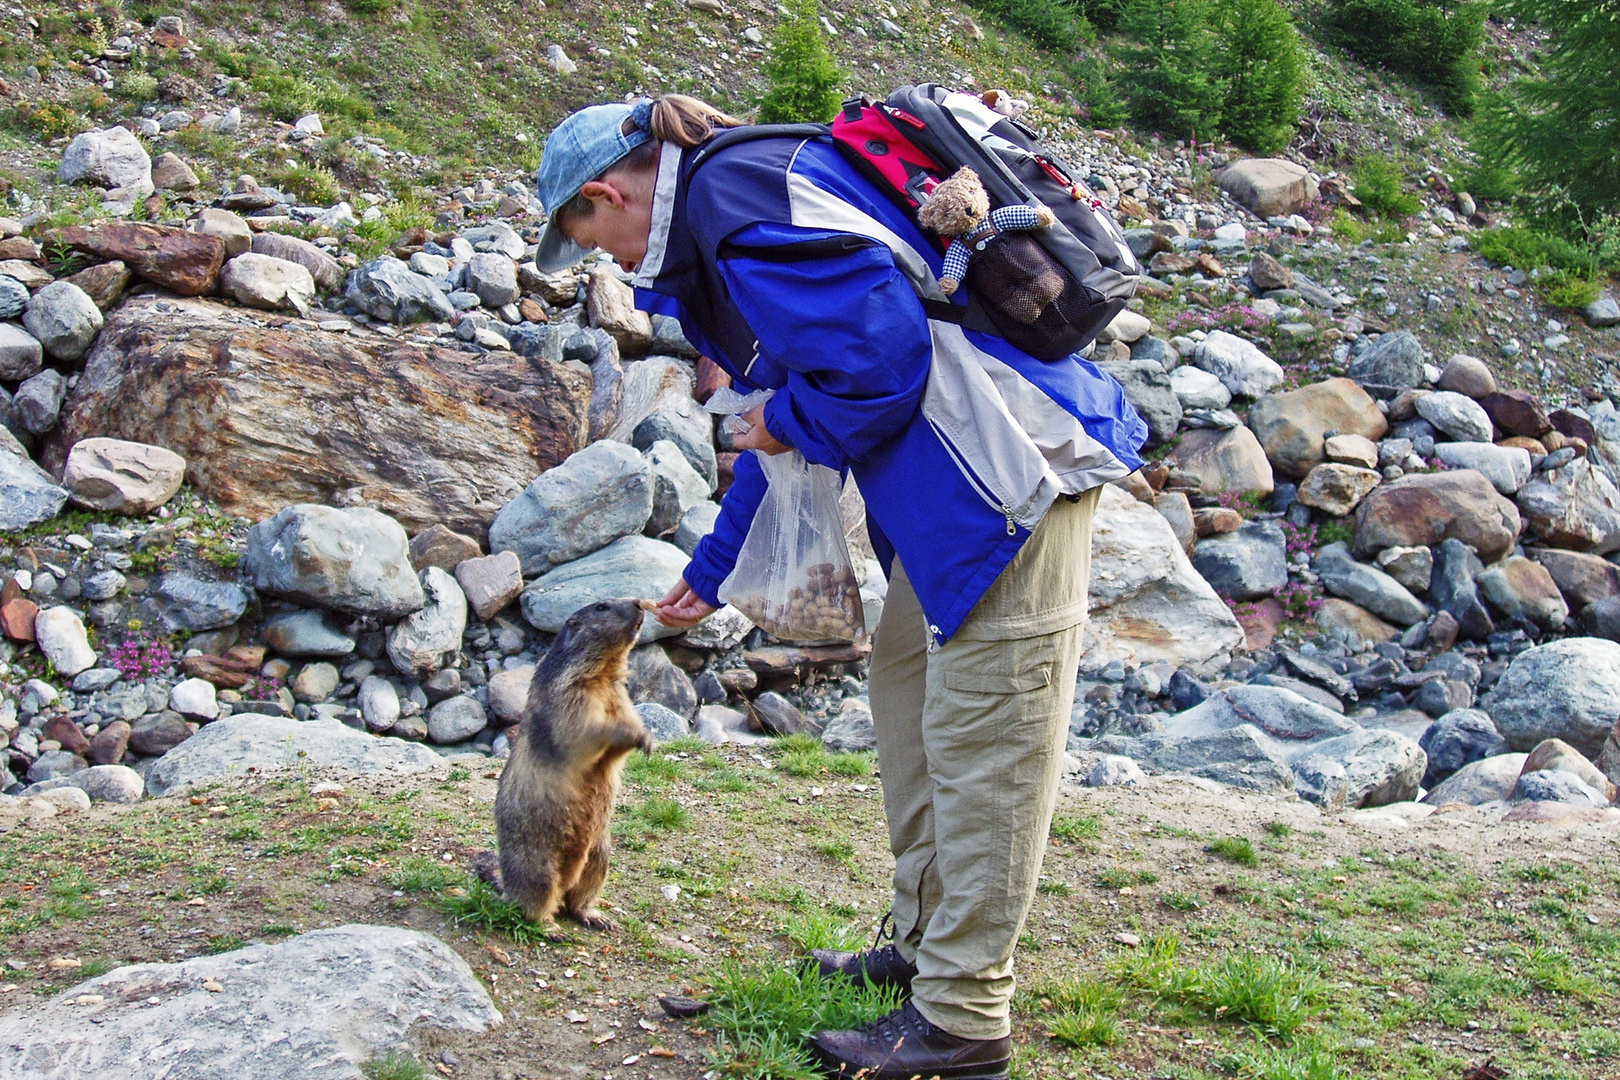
420,643
1147,602
1239,364
379,703
1458,415
1196,388
309,124
316,1007
62,638
195,698
1506,467
124,477
112,158
264,281
1127,326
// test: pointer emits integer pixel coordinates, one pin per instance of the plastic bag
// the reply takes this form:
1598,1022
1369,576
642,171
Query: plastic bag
793,577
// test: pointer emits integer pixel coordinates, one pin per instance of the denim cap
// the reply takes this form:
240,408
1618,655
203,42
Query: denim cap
581,148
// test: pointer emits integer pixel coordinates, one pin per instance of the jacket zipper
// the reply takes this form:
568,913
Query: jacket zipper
983,489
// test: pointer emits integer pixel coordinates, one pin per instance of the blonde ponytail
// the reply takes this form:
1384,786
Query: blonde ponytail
686,121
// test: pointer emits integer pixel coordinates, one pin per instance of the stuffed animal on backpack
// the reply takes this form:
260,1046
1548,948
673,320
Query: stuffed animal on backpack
959,208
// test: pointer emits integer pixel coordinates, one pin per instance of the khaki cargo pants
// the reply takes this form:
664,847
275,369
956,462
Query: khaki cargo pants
970,740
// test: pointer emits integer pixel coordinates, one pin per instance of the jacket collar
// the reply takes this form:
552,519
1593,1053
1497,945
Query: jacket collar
663,214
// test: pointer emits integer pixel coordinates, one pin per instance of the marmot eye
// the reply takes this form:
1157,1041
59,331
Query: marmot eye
602,605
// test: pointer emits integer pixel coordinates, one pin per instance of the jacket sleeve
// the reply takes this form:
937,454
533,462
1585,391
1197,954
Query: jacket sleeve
834,310
716,554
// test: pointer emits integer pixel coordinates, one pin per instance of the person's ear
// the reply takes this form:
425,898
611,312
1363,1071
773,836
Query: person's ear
603,191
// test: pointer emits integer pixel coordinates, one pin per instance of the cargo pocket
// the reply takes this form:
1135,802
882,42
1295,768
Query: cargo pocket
1020,735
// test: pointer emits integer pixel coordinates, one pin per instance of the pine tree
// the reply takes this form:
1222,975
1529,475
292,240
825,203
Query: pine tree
1560,129
1262,74
805,82
1169,66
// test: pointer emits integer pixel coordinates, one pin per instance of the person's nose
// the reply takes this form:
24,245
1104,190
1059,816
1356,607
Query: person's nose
627,266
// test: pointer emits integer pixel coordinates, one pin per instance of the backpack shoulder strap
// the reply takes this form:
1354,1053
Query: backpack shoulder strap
732,136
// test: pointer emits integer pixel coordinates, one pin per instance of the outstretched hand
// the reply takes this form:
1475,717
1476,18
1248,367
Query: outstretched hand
758,437
682,608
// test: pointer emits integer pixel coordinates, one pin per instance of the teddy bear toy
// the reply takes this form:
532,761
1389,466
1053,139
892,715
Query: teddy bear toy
959,208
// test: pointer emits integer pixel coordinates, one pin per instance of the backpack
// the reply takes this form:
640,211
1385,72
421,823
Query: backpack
920,135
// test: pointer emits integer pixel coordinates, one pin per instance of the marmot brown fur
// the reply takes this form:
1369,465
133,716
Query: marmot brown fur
556,793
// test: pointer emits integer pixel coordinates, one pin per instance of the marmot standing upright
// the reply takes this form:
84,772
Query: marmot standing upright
556,793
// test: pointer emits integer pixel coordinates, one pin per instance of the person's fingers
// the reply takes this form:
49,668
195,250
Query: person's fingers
678,590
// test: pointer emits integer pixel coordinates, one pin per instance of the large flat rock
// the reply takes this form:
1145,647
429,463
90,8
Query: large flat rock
266,744
268,411
315,1007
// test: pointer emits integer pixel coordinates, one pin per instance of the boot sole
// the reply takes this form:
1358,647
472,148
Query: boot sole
986,1071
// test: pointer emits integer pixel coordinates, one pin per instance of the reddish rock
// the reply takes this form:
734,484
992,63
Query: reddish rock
710,377
268,414
17,618
532,310
1336,614
1170,262
223,672
1582,578
1442,632
1516,412
180,260
1426,508
67,734
1260,622
1536,447
104,283
18,247
1572,426
1209,265
442,547
108,747
1213,520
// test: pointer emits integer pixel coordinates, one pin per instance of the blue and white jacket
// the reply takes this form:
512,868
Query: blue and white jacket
792,272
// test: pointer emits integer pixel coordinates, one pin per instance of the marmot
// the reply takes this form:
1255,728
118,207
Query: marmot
556,793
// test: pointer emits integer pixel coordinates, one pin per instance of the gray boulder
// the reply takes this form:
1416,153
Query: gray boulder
39,400
1392,360
306,632
387,289
1112,770
1242,756
21,354
189,603
1239,364
850,731
633,566
112,158
596,496
1279,713
1453,587
228,748
53,764
654,679
355,561
326,271
28,494
1506,467
13,297
64,320
456,719
1456,739
494,278
1573,506
264,281
663,724
1246,564
1604,311
1562,690
319,1007
1490,779
1458,415
1150,391
1367,586
696,523
1563,787
677,487
1367,767
426,639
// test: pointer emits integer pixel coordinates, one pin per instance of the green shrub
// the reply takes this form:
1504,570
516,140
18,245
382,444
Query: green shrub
1262,72
1433,41
50,120
1568,288
1046,22
1098,96
805,83
1169,66
368,7
137,86
1526,249
1102,14
1379,185
1561,127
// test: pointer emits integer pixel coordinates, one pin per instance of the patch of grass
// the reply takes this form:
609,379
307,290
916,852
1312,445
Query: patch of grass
1114,877
1265,1062
762,1016
393,1065
222,943
659,814
1053,887
1182,901
91,968
418,874
1275,997
69,897
1279,829
854,765
1085,1012
476,904
1551,970
1076,828
653,769
1236,849
842,850
724,778
818,929
1458,992
1085,1027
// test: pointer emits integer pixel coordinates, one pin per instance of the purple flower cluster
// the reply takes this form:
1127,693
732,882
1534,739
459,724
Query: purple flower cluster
136,659
1299,600
1234,316
1297,539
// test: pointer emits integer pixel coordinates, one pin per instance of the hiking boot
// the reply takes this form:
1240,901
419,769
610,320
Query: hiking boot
903,1045
875,967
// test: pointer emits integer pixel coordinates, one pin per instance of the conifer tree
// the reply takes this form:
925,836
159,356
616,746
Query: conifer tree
1560,128
1262,74
805,82
1169,66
